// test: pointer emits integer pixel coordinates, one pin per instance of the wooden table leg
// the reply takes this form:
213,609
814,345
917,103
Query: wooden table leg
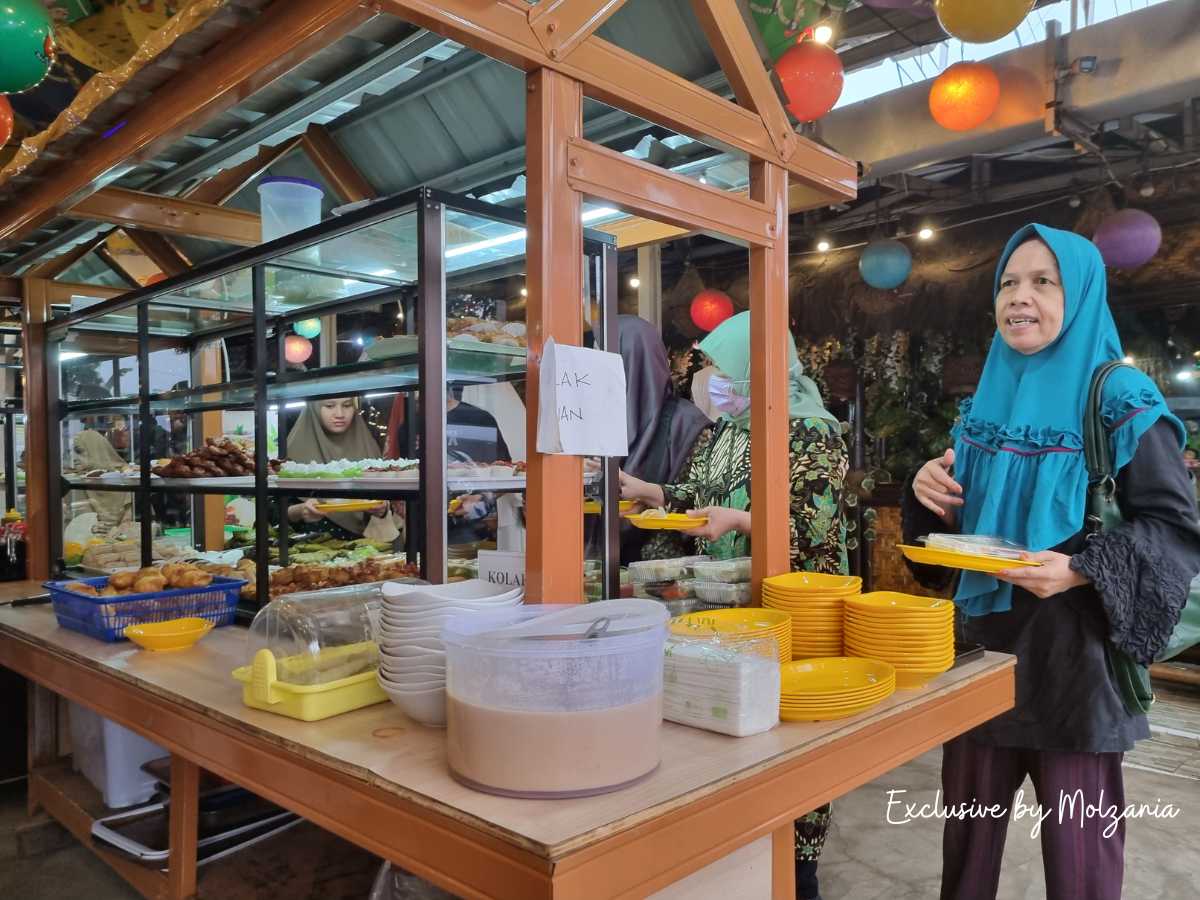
783,862
185,808
42,718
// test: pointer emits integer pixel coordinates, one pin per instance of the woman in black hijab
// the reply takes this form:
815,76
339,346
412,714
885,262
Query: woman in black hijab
662,427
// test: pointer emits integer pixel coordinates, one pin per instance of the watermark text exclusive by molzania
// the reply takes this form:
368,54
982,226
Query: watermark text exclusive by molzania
1072,807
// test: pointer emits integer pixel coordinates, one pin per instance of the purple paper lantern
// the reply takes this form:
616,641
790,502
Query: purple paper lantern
1128,239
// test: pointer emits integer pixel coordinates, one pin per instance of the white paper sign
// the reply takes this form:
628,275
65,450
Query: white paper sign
581,405
503,569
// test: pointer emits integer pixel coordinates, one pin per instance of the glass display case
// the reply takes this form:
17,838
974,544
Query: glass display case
412,305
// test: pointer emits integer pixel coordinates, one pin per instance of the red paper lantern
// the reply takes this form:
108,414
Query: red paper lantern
6,120
296,349
811,75
964,96
710,308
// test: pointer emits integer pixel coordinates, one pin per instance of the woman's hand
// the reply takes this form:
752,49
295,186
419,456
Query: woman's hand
306,512
642,492
721,521
936,490
1053,576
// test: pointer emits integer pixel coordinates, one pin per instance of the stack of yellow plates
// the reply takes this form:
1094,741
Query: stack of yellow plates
737,625
814,690
814,603
915,634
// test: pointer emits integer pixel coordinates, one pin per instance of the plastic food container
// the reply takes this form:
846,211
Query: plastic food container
979,544
730,571
110,756
288,205
663,590
721,593
663,569
577,689
313,655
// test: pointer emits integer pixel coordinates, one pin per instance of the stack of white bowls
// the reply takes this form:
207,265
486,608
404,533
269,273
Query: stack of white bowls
412,658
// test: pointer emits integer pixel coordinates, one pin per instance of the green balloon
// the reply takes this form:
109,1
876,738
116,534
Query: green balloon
26,44
781,22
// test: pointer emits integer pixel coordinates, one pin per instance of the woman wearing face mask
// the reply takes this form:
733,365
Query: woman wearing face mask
1017,471
329,430
716,483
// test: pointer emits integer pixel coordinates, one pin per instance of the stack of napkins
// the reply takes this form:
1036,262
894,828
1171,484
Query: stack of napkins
724,687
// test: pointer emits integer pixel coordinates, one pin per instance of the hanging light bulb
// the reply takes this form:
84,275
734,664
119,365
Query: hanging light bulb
1128,360
824,246
635,282
524,292
822,34
925,233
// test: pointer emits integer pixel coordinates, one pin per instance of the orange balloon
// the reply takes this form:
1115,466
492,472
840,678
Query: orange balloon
6,120
964,96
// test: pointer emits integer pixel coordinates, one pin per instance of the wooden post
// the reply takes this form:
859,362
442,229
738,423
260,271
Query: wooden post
41,732
649,291
212,372
769,482
554,500
184,822
783,862
39,418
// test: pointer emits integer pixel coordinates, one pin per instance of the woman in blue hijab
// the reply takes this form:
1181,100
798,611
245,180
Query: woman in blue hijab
1017,471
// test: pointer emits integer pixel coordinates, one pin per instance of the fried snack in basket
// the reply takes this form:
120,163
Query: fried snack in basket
78,587
122,581
149,584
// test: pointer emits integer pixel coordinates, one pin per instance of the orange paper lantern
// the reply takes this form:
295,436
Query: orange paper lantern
710,308
6,120
964,96
296,349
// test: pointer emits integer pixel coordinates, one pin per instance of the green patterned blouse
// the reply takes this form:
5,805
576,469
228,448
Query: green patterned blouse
718,474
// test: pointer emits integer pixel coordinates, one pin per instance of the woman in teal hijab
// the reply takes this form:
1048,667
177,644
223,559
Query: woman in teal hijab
1017,472
716,483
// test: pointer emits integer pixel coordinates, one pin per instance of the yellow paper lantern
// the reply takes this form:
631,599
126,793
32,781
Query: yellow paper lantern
981,21
964,96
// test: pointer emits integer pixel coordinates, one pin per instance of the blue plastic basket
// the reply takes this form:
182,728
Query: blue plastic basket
106,618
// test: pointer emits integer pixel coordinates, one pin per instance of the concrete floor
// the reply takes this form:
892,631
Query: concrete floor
865,857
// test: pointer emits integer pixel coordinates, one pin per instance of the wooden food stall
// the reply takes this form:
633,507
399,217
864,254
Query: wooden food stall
372,776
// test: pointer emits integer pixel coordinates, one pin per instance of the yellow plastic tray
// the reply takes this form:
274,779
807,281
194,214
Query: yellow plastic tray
952,559
347,505
669,522
307,702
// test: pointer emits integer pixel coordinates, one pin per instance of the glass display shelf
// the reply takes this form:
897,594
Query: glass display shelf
387,374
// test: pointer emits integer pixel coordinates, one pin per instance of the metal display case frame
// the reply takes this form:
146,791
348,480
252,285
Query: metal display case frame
424,300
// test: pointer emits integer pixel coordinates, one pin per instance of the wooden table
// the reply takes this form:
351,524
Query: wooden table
381,781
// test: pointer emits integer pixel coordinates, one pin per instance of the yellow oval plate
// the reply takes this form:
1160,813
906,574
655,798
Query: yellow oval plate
815,582
347,505
669,522
891,603
952,559
833,675
174,634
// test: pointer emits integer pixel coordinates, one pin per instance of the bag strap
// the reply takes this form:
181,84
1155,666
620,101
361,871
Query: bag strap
1097,453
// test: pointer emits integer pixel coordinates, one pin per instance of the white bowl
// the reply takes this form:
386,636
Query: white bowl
414,651
473,590
401,616
407,683
394,636
401,673
426,707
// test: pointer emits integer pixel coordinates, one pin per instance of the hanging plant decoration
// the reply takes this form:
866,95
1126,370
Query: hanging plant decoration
964,96
710,308
26,45
1128,238
885,264
981,21
812,76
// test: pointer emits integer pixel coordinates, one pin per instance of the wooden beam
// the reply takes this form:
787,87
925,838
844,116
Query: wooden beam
627,81
63,291
173,215
736,51
554,246
637,232
56,265
103,254
160,251
769,336
561,25
335,167
282,37
37,430
223,186
639,187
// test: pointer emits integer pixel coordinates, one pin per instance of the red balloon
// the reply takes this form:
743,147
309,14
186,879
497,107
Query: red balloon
710,308
811,75
6,120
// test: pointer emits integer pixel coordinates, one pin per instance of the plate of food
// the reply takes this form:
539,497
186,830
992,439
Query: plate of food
661,520
957,559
